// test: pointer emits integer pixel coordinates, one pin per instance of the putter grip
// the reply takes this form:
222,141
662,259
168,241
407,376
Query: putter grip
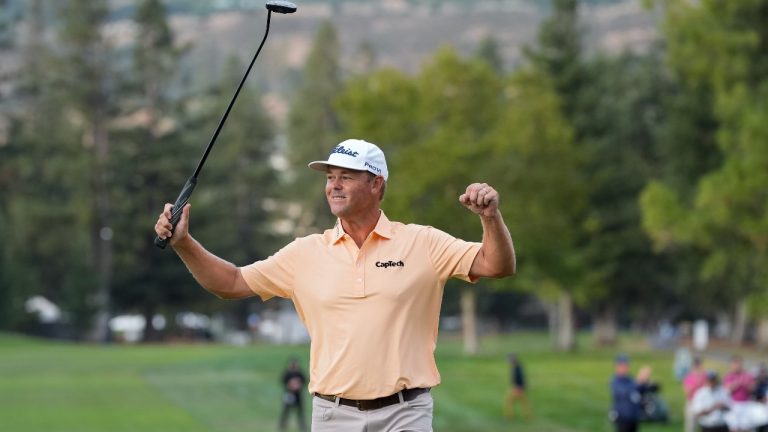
178,207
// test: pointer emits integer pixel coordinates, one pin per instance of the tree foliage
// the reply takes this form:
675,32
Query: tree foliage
458,122
150,132
313,127
721,47
49,163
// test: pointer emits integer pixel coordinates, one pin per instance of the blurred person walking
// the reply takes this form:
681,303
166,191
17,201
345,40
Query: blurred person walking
516,395
693,381
369,291
625,412
293,387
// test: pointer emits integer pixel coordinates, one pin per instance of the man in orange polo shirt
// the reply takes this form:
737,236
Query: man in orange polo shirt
368,290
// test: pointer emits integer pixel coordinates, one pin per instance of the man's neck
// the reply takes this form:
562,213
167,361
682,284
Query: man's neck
360,227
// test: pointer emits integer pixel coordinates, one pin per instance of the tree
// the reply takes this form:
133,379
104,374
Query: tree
89,87
458,121
625,100
722,46
364,59
488,50
313,127
687,150
151,133
448,111
558,55
236,214
8,295
44,175
542,167
615,107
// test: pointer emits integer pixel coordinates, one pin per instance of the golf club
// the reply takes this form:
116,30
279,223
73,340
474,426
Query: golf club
277,6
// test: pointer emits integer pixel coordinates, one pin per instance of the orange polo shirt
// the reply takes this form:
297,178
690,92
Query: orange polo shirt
372,313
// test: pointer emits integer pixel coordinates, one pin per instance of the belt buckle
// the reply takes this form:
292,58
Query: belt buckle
359,404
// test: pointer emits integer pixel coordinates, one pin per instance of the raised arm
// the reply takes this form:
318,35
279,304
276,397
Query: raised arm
496,257
216,275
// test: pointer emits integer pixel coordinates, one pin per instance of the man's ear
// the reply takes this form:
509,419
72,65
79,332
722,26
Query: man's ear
378,184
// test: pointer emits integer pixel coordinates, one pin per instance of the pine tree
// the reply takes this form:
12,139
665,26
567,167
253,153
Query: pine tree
240,198
313,128
45,177
558,55
88,87
488,50
150,133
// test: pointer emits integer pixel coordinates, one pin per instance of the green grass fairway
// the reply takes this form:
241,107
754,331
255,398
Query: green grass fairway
57,387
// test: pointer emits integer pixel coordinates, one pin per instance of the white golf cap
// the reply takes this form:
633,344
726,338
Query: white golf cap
357,155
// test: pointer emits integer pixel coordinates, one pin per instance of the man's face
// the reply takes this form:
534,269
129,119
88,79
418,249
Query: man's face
350,192
622,368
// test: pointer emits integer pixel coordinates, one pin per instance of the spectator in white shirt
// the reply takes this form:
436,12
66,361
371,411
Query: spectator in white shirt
710,403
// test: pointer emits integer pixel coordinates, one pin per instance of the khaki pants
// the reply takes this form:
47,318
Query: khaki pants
412,416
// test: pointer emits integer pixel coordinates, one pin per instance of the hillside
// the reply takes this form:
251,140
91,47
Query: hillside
401,33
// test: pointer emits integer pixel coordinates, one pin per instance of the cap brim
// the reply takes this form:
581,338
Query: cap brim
323,166
318,165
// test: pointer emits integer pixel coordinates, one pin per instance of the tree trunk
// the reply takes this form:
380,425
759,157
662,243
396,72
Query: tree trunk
552,321
762,333
739,322
469,320
150,333
605,333
102,230
561,321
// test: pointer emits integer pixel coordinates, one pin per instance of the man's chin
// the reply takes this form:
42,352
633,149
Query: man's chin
337,210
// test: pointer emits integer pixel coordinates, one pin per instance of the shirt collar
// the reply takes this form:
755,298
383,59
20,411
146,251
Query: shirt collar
383,229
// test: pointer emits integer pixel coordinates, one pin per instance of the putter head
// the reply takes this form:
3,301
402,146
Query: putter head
280,6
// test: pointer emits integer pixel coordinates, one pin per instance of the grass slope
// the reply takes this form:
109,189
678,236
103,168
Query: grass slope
60,387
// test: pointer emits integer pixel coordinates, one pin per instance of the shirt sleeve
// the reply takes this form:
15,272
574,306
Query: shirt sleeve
451,257
699,402
274,276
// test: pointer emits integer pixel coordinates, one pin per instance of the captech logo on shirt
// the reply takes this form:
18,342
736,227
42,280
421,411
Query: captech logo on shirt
388,264
343,150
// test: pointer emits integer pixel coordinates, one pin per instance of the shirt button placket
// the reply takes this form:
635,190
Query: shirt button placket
360,276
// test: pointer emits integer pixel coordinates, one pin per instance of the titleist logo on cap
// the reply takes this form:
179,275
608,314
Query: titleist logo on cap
343,150
357,155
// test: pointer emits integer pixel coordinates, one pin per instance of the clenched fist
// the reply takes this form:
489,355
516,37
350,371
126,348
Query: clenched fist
481,199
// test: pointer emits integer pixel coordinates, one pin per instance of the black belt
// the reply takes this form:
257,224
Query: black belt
372,404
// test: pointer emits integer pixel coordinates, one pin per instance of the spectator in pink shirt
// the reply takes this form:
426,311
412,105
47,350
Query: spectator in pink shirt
739,383
694,380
